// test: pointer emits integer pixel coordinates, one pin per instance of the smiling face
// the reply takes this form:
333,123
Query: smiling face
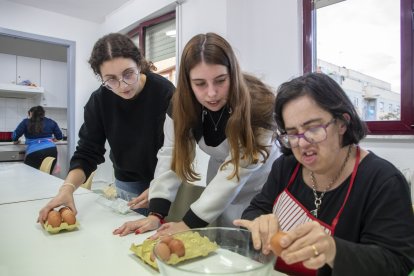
118,68
210,83
300,115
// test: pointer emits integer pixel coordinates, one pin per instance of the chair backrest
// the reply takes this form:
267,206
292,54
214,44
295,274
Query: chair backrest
88,182
46,165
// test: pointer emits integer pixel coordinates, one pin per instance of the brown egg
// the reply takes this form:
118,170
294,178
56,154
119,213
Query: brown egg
63,209
67,216
54,218
177,247
275,242
163,251
166,239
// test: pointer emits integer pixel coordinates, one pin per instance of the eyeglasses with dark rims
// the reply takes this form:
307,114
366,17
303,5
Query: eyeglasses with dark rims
313,135
128,77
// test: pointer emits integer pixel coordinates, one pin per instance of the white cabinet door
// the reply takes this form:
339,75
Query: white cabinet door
54,81
28,69
7,68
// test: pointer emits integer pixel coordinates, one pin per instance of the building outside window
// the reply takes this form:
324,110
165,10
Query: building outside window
370,55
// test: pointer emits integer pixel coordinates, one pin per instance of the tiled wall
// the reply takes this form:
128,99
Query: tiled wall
13,111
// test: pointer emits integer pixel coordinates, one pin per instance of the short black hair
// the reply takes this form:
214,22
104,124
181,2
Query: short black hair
329,95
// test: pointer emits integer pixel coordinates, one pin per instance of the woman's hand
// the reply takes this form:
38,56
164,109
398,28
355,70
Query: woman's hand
138,226
140,201
262,229
310,244
170,228
64,197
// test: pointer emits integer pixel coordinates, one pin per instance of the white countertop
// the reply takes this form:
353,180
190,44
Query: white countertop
20,182
27,249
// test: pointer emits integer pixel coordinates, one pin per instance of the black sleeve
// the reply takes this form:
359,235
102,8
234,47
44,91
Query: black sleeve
386,242
91,145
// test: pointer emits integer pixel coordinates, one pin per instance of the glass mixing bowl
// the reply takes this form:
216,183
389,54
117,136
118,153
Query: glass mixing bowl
235,255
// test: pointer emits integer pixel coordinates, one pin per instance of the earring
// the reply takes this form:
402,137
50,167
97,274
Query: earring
230,110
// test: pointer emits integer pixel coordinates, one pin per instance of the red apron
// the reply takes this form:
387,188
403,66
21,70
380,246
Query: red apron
292,213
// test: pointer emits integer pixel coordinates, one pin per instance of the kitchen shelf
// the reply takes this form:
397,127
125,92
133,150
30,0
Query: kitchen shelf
19,91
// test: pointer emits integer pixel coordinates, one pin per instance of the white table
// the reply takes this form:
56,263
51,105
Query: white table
20,182
27,249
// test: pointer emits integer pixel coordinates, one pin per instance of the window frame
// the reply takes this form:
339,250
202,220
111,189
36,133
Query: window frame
141,28
405,126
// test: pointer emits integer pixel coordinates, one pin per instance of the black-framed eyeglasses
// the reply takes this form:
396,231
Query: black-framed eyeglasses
313,135
128,77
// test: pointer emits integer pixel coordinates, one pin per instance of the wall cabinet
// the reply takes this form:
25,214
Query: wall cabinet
15,69
28,69
8,68
54,81
49,76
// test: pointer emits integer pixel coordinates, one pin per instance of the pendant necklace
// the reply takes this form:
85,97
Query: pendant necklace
218,121
318,198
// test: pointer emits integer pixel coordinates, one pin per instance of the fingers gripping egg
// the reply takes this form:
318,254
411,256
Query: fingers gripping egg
67,215
275,243
54,218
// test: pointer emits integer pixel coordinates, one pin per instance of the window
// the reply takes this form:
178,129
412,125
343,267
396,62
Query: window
370,56
156,39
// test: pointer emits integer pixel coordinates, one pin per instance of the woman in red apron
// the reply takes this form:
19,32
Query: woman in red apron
345,210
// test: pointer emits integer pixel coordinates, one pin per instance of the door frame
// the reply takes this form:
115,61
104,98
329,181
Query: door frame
70,57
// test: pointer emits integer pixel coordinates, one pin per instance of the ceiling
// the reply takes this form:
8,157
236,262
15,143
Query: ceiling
90,10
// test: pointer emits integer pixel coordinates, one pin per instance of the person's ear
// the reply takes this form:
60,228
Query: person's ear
344,123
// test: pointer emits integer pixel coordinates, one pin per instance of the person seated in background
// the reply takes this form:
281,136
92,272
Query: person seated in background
229,115
40,134
345,210
127,111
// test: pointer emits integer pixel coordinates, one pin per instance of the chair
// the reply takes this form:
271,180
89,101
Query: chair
46,165
88,182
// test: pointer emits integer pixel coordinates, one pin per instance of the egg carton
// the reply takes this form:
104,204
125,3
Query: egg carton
63,226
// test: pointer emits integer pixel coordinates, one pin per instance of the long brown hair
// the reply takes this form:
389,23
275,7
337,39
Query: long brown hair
250,101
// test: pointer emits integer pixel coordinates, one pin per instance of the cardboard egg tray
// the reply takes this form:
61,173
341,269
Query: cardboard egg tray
195,246
63,226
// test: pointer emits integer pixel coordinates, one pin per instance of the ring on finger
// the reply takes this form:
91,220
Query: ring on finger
315,251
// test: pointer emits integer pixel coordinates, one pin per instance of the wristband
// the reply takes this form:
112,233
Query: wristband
159,216
69,184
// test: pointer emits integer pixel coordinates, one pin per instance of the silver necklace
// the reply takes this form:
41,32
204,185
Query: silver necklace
218,121
318,199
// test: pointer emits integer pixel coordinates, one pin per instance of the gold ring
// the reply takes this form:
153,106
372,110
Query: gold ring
315,251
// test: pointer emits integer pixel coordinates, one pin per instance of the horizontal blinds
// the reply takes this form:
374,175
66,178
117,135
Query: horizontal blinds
160,41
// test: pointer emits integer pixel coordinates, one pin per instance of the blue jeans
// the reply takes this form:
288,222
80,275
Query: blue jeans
128,190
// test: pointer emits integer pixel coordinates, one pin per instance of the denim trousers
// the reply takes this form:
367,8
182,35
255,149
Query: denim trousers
129,190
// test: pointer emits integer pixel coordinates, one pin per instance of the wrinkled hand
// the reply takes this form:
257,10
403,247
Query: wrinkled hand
170,228
140,201
310,244
138,226
262,229
64,197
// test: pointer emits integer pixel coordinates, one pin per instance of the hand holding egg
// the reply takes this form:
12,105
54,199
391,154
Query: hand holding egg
275,243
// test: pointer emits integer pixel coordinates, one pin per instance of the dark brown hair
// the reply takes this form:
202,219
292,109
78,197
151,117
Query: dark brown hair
35,125
116,45
249,100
